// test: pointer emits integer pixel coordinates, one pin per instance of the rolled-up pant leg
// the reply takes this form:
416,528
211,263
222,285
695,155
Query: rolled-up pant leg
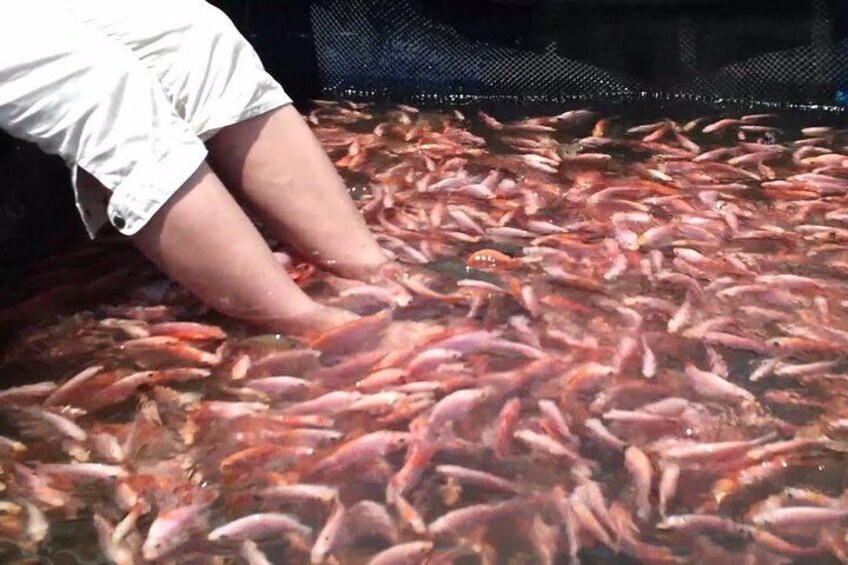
208,70
127,91
89,99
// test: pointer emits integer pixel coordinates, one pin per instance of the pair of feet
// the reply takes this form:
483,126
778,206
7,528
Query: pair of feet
320,318
203,239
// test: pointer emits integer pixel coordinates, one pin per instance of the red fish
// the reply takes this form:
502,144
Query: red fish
491,260
354,335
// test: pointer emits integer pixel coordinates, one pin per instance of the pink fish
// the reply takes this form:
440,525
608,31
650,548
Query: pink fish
330,536
11,446
589,522
599,432
378,402
589,493
353,336
556,417
637,417
717,363
363,449
430,359
37,526
294,362
641,470
800,516
120,390
780,447
259,526
658,236
668,485
627,530
188,330
409,515
26,394
682,316
393,297
545,444
327,404
64,393
116,551
669,407
457,522
544,539
39,486
721,125
467,342
649,361
455,406
780,546
764,369
711,385
697,523
383,378
84,471
477,478
369,519
299,491
506,425
252,554
410,553
563,507
278,386
504,346
698,453
55,422
171,348
173,528
792,281
349,369
240,367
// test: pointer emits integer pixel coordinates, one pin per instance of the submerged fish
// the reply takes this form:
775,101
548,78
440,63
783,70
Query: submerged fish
596,340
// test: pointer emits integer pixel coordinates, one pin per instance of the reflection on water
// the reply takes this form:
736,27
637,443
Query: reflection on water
610,340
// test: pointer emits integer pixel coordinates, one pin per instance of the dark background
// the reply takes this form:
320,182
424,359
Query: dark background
369,49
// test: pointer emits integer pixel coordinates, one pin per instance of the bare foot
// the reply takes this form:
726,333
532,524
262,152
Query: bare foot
370,273
319,319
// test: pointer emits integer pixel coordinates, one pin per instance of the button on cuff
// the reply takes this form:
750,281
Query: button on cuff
153,183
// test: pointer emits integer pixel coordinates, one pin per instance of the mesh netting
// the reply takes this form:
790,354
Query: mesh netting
759,53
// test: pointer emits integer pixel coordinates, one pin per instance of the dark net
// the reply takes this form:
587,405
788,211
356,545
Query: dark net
757,53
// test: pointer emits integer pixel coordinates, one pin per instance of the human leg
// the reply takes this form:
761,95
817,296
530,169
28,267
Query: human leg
279,166
87,98
261,147
192,239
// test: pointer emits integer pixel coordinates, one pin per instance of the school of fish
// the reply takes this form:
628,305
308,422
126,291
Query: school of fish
597,341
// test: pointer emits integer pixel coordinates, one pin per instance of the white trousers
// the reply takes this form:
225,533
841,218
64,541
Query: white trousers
127,90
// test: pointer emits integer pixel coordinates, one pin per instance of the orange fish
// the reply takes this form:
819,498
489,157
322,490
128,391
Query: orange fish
601,127
353,335
490,260
188,330
302,272
261,455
